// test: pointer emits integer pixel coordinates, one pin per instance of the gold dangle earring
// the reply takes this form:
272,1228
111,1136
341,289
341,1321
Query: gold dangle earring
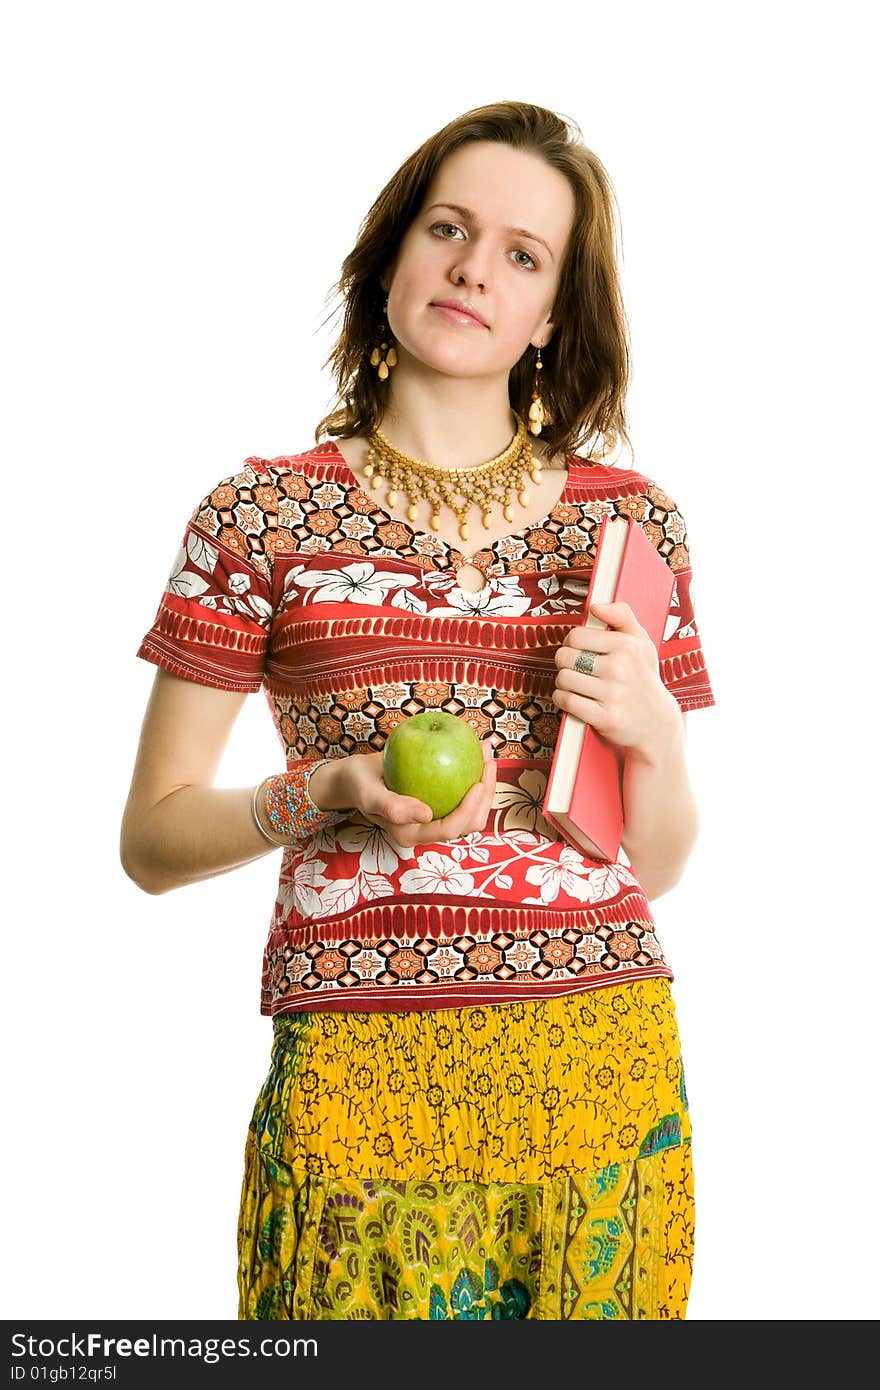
386,345
538,416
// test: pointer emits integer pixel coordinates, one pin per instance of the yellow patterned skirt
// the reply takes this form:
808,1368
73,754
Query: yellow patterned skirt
520,1160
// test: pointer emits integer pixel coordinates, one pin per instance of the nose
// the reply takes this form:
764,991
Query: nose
471,266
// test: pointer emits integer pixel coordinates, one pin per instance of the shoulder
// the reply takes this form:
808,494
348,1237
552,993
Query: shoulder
639,495
261,482
629,493
320,460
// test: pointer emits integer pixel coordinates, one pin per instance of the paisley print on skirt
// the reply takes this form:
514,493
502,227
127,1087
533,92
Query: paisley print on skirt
519,1160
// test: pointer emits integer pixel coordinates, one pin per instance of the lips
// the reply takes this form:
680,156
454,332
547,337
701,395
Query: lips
460,308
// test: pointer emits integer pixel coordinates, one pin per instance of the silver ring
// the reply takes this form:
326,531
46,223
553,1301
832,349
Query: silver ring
585,662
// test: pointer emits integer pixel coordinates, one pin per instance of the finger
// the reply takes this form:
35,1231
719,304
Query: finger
490,773
486,784
477,794
419,818
483,809
406,810
463,811
590,639
567,656
593,687
590,711
618,615
586,639
472,811
405,835
459,819
483,796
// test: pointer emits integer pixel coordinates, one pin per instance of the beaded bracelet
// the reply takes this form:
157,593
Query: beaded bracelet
290,810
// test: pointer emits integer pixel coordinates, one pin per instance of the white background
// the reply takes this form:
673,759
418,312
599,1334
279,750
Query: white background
182,183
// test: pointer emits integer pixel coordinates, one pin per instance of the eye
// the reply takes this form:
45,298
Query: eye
441,225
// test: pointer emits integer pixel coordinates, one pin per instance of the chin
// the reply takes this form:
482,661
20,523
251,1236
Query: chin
450,358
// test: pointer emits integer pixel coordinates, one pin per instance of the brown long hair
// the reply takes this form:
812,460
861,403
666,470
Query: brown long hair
587,361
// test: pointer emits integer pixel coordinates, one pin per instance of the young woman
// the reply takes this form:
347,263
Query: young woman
475,1106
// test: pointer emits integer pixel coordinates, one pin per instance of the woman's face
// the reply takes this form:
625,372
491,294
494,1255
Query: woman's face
461,247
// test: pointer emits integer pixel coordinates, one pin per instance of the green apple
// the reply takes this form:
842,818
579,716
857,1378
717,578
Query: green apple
434,757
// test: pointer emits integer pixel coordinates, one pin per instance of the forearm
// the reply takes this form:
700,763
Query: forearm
659,813
193,833
197,832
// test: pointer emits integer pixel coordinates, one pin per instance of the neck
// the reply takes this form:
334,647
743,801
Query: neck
448,421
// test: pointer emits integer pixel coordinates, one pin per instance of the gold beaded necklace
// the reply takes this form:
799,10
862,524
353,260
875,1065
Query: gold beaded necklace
495,481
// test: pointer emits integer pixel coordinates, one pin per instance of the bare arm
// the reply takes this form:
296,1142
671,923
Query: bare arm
176,827
625,700
660,814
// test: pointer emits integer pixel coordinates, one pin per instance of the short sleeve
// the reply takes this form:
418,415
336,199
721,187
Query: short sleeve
682,659
215,615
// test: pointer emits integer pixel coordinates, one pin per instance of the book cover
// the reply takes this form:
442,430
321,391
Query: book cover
584,798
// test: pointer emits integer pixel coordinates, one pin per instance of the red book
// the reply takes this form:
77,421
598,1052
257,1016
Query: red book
584,796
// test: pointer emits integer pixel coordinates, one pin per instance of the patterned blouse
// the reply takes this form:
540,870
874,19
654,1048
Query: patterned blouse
294,580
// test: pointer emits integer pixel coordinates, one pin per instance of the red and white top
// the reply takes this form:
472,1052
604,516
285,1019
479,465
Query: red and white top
294,580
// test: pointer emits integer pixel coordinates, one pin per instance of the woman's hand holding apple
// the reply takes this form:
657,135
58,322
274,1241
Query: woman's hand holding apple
360,785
